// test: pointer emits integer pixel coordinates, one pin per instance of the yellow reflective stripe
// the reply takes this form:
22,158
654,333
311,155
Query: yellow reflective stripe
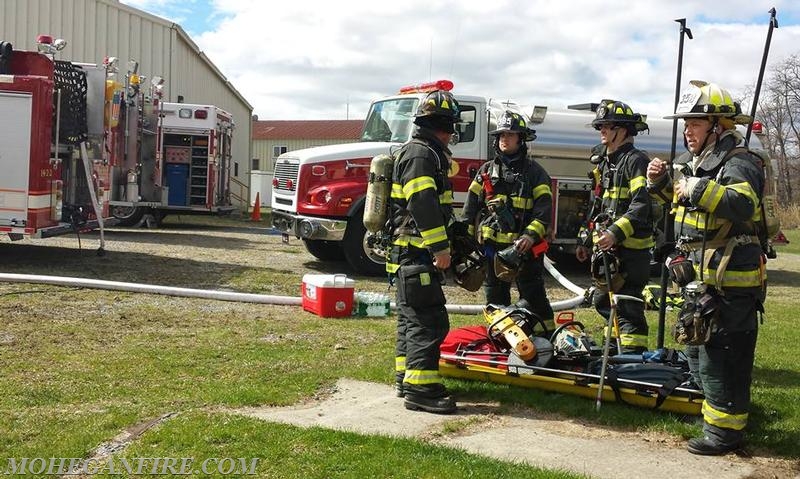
497,237
446,198
745,189
538,227
621,193
542,190
397,191
408,240
475,187
711,196
625,225
638,243
718,418
392,268
522,203
637,182
735,279
633,340
422,376
418,184
399,363
471,229
434,235
697,220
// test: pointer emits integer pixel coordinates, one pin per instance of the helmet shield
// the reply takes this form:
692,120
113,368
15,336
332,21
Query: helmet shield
701,99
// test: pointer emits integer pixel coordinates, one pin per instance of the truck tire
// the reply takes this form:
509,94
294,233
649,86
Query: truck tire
128,215
325,250
357,252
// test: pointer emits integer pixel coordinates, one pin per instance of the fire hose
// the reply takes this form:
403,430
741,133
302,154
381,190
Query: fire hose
250,297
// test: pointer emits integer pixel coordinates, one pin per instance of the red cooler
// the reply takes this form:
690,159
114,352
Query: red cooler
328,295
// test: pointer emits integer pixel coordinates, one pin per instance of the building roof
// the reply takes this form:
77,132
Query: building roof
186,38
307,129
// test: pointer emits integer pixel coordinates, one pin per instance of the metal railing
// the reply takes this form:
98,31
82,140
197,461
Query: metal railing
240,193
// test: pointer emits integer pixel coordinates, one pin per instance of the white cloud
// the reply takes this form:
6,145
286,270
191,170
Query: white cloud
318,59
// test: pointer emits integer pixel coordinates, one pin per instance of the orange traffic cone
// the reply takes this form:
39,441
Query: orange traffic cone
256,214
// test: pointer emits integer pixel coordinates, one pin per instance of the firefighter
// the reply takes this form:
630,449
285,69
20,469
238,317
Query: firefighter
622,219
508,206
421,208
718,209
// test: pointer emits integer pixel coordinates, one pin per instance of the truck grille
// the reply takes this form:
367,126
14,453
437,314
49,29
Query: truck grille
286,170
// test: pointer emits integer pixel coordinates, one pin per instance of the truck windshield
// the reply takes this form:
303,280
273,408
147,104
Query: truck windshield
390,120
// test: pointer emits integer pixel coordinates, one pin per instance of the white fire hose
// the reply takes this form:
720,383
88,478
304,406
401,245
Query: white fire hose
255,298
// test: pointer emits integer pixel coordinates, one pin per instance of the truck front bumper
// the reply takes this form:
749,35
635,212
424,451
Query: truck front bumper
308,227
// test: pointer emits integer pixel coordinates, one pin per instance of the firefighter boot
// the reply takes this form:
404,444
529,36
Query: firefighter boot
704,446
440,405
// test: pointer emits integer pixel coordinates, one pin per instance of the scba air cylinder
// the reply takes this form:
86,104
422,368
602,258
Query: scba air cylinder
379,187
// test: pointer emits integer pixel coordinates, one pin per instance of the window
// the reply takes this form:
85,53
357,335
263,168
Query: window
278,151
236,169
466,129
255,164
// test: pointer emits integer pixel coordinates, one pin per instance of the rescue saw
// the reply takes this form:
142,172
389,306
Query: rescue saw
506,322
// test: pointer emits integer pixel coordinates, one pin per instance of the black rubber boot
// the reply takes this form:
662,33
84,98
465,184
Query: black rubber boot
440,405
398,389
704,446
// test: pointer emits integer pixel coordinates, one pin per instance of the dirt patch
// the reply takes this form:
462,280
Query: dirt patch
519,436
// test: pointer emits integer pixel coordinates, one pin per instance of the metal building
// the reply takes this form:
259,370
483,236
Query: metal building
95,29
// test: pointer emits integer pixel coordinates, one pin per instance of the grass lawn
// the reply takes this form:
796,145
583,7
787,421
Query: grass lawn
77,367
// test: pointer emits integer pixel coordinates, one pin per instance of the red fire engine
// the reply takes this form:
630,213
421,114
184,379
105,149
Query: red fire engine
56,172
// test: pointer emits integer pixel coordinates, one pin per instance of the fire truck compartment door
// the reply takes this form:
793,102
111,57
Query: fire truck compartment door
15,141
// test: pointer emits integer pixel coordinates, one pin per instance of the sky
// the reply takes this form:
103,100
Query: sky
327,60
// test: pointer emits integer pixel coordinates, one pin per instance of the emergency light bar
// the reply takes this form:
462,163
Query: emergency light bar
445,85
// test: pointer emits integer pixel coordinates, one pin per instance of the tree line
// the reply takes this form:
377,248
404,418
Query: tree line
779,112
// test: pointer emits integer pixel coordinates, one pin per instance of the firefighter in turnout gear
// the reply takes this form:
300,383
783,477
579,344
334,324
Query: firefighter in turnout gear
718,193
508,207
421,208
621,221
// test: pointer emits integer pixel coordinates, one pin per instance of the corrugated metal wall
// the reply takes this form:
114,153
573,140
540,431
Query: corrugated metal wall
95,29
262,149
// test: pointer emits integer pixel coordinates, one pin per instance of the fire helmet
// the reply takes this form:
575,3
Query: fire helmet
515,123
619,113
598,265
507,263
702,99
439,103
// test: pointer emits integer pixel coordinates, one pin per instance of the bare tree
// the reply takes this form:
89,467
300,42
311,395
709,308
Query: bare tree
779,111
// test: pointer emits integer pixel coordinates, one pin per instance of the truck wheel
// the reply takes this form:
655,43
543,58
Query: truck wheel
358,253
325,250
128,215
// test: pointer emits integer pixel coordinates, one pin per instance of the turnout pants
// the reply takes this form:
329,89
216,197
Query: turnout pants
725,369
530,284
422,324
635,268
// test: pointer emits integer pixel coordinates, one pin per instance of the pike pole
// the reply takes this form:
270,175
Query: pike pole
668,224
